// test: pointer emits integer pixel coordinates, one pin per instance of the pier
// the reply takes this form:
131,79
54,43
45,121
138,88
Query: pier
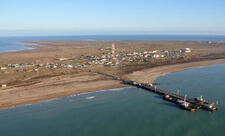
191,104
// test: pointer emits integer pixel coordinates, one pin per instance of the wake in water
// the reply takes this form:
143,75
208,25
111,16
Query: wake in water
91,97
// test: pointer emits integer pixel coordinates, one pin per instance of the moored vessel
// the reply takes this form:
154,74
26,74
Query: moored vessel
186,105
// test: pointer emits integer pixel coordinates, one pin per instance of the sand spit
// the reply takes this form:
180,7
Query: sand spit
149,75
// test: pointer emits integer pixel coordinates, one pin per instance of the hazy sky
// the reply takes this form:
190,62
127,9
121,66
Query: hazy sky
59,17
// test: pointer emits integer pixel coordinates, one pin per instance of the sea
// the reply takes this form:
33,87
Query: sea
126,111
9,44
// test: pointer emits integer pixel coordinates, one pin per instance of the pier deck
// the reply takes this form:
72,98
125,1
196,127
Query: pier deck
194,104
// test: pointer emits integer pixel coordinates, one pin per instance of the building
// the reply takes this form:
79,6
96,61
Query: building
63,59
155,56
3,85
3,68
186,50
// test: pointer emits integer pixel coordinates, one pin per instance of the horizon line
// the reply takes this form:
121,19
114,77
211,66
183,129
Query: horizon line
117,34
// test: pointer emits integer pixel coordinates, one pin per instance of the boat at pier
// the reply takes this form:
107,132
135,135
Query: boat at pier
186,105
210,107
190,104
206,104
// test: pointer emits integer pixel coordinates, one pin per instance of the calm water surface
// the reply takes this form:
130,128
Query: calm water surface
125,112
13,43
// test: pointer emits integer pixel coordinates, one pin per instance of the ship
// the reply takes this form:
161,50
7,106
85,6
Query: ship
186,105
206,104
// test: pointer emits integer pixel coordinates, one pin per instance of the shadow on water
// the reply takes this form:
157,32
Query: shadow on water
158,97
165,103
170,105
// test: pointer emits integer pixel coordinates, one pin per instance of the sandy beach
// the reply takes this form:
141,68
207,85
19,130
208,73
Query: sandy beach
149,75
55,87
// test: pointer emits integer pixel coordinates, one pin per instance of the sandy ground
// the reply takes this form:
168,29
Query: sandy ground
149,75
54,87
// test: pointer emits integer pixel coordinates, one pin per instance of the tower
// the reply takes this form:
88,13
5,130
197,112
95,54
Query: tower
113,53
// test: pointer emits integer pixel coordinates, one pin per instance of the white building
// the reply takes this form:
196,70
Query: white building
3,68
158,55
155,55
4,85
187,50
63,59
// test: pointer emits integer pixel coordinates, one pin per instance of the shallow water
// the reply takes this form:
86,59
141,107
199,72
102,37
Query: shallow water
127,111
13,43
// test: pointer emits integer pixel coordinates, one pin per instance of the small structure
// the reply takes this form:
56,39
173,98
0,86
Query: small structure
40,65
186,50
36,70
3,85
155,55
3,68
63,59
113,52
155,51
68,66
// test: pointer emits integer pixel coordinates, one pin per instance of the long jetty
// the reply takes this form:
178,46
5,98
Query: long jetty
153,89
193,104
175,98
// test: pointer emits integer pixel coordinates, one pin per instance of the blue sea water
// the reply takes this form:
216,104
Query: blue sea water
9,45
123,112
14,43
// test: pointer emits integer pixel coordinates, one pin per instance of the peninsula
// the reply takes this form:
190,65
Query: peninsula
57,69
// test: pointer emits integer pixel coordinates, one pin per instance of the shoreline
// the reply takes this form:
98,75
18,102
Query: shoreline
150,75
54,88
73,95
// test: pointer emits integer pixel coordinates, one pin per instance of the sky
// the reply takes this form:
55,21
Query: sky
78,17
